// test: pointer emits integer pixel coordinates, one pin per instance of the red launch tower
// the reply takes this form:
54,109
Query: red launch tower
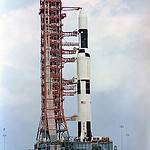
54,87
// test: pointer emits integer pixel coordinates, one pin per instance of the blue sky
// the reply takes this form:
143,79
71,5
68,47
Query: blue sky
119,47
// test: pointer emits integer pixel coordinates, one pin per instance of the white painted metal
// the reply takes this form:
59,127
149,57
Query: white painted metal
83,66
83,75
83,19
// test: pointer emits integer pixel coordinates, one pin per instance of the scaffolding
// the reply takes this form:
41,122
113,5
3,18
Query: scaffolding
54,87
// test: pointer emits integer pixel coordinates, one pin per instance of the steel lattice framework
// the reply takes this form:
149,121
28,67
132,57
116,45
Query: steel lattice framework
53,124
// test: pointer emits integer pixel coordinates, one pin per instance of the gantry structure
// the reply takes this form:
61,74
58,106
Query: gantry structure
54,87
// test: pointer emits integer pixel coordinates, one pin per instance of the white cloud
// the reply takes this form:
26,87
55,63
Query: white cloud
81,3
114,2
15,24
111,71
17,28
110,36
2,2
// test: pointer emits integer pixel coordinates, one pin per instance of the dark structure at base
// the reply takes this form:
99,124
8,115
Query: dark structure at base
96,144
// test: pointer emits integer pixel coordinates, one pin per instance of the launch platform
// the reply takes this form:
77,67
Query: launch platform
103,143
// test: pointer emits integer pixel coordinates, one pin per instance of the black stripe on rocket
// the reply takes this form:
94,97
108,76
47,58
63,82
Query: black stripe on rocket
79,128
84,38
88,127
89,133
87,86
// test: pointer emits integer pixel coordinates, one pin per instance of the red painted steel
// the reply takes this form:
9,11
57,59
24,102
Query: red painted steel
53,124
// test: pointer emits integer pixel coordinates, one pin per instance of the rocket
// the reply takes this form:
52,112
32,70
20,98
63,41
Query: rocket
83,81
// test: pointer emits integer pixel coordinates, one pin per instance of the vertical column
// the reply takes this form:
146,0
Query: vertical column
83,85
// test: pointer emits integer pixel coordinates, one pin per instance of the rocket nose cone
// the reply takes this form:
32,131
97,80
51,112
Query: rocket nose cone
82,19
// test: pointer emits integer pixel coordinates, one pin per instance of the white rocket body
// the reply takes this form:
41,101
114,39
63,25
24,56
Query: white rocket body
83,85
